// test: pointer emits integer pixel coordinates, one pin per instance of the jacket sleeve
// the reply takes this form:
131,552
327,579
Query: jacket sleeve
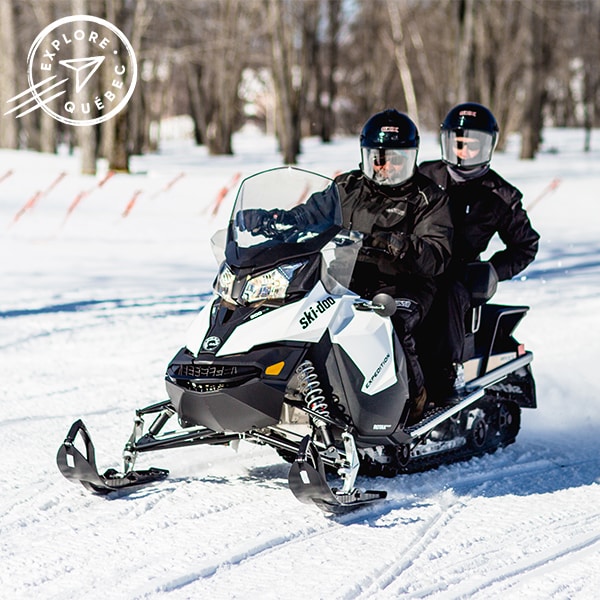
520,239
428,249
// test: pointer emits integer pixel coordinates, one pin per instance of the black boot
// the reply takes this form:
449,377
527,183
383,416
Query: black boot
417,408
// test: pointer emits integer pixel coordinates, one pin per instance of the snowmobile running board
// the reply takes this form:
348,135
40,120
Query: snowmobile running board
475,390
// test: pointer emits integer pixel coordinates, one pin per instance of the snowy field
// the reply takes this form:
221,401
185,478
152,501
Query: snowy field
100,280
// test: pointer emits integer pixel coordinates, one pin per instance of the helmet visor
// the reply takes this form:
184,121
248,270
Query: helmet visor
388,166
467,147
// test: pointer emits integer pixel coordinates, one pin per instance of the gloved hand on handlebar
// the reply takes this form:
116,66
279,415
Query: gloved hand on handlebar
408,313
254,220
394,244
259,221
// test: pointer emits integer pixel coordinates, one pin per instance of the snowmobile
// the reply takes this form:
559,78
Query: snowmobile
285,354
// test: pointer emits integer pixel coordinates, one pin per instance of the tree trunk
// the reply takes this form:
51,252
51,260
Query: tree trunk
464,59
85,134
334,20
402,63
288,122
534,85
9,128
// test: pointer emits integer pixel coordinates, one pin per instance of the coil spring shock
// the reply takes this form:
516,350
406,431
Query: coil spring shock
311,390
312,393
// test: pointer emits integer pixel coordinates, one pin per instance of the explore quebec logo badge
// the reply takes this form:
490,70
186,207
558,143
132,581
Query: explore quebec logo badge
81,70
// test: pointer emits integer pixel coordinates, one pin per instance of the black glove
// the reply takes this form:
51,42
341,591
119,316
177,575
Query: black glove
259,221
408,313
393,243
254,220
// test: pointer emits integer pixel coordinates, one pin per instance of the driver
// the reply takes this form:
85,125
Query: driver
407,227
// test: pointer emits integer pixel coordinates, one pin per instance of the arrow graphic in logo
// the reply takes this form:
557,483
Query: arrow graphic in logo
80,65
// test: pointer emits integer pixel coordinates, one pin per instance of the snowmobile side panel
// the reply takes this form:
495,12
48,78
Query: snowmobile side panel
375,361
374,415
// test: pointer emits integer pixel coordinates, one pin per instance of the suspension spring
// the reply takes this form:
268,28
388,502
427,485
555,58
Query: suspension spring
311,390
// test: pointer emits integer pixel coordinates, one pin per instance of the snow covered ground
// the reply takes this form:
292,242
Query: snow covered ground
93,304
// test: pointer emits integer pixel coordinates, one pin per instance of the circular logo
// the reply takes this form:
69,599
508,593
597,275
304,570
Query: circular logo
81,70
211,343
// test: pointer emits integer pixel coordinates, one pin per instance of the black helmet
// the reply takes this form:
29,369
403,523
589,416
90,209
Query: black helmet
468,136
389,142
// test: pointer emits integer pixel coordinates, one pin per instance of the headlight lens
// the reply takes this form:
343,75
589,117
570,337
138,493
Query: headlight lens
271,285
224,284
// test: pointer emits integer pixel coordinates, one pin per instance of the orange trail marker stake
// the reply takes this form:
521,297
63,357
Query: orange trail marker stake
223,193
549,188
36,197
131,203
85,193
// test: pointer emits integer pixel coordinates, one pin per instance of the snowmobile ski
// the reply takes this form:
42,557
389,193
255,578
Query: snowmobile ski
79,468
308,483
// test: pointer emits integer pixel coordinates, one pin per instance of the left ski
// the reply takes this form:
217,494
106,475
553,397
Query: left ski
79,468
308,483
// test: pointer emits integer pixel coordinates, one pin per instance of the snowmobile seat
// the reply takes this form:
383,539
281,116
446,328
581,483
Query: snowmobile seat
494,335
481,280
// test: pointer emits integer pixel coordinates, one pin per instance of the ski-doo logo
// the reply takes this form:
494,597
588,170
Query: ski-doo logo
378,371
211,343
314,311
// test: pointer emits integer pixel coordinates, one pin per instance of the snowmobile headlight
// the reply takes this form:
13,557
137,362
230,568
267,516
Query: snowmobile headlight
224,284
271,285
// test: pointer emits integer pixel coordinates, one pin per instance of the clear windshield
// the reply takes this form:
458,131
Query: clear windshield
287,213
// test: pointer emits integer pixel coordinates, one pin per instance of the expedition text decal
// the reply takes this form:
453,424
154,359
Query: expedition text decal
378,371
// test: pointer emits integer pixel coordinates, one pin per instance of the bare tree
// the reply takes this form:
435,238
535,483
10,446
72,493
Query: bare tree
398,49
287,78
590,50
534,72
86,134
465,50
9,136
324,66
329,63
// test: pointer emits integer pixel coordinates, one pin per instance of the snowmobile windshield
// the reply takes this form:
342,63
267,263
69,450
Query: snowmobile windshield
280,214
280,218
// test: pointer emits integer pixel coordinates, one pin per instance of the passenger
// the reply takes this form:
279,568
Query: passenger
481,204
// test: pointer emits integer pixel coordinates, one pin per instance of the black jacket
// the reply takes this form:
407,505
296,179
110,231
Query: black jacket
418,211
480,208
